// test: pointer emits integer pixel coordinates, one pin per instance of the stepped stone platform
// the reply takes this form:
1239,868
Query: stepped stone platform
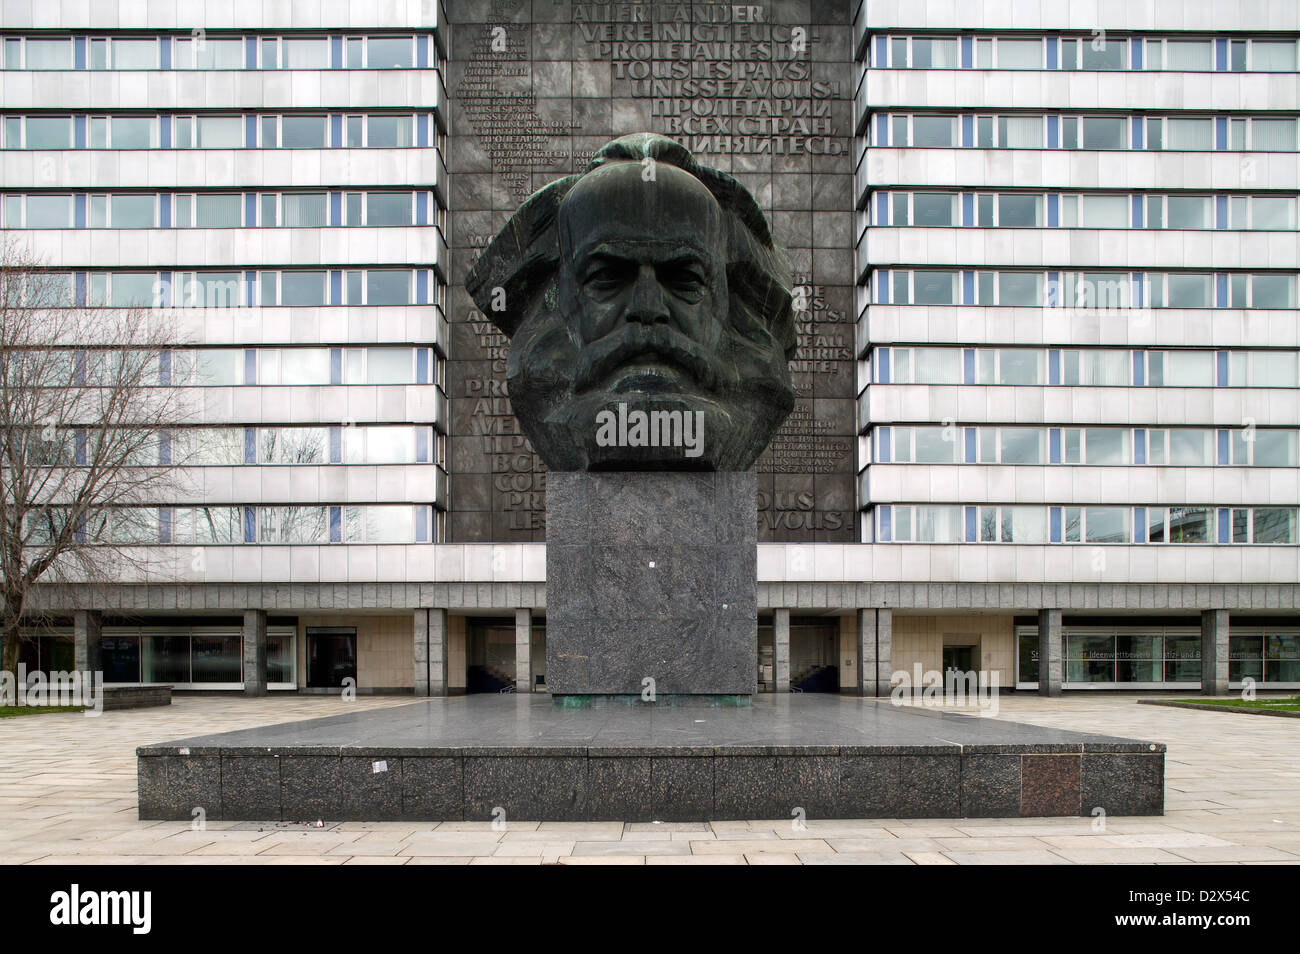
470,757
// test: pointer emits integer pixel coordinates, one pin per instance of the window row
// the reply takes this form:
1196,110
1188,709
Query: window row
218,210
1025,210
198,656
1160,447
1091,367
208,131
1098,51
230,446
930,523
234,289
204,52
1055,131
1126,656
223,367
1099,291
187,526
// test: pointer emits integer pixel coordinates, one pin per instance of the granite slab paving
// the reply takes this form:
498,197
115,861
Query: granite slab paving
74,821
810,756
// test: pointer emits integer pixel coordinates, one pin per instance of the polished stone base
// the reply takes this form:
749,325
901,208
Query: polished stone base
651,583
473,757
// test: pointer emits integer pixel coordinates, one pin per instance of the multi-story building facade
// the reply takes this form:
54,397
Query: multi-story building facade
1072,229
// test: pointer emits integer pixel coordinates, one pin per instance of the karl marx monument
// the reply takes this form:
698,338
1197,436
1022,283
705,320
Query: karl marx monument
650,327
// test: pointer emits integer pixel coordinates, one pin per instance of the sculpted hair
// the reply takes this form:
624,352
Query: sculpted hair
523,259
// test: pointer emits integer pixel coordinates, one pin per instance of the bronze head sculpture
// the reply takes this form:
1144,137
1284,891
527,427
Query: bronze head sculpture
648,313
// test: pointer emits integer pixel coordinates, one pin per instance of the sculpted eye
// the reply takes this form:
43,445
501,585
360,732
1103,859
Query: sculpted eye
684,280
606,276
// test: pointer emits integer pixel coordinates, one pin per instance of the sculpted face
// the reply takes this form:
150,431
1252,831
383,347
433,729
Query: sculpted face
649,327
643,281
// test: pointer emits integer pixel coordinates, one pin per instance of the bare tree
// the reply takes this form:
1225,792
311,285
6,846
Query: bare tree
84,419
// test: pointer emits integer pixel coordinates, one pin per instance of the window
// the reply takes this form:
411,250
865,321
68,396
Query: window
1020,211
1106,525
1272,291
1023,524
933,209
1188,447
389,132
218,211
934,288
1275,448
1022,445
1274,525
133,132
1104,132
388,287
1190,525
1188,212
1107,445
389,366
48,132
1020,288
1268,369
1104,212
1020,132
132,211
306,53
210,53
1180,368
219,132
296,366
303,132
1022,366
391,53
132,289
1103,54
933,132
1269,212
47,212
388,208
1020,54
1273,135
134,54
1096,368
46,55
1189,134
1189,55
926,366
302,288
1275,56
1189,291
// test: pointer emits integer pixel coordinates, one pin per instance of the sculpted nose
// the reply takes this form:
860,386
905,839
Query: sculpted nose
647,305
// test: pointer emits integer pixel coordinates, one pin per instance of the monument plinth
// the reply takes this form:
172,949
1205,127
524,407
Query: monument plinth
651,583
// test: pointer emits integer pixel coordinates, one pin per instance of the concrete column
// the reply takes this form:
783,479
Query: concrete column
1051,664
87,628
523,650
437,652
875,651
884,650
420,651
254,653
1214,653
781,650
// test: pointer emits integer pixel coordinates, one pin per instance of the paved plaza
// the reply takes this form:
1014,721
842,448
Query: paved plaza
68,796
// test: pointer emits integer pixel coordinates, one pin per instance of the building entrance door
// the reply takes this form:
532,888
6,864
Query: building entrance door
490,663
331,656
961,658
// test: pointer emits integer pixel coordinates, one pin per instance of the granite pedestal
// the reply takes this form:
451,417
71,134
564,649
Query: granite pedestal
651,584
459,759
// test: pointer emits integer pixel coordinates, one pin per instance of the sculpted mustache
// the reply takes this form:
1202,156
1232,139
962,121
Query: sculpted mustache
597,361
